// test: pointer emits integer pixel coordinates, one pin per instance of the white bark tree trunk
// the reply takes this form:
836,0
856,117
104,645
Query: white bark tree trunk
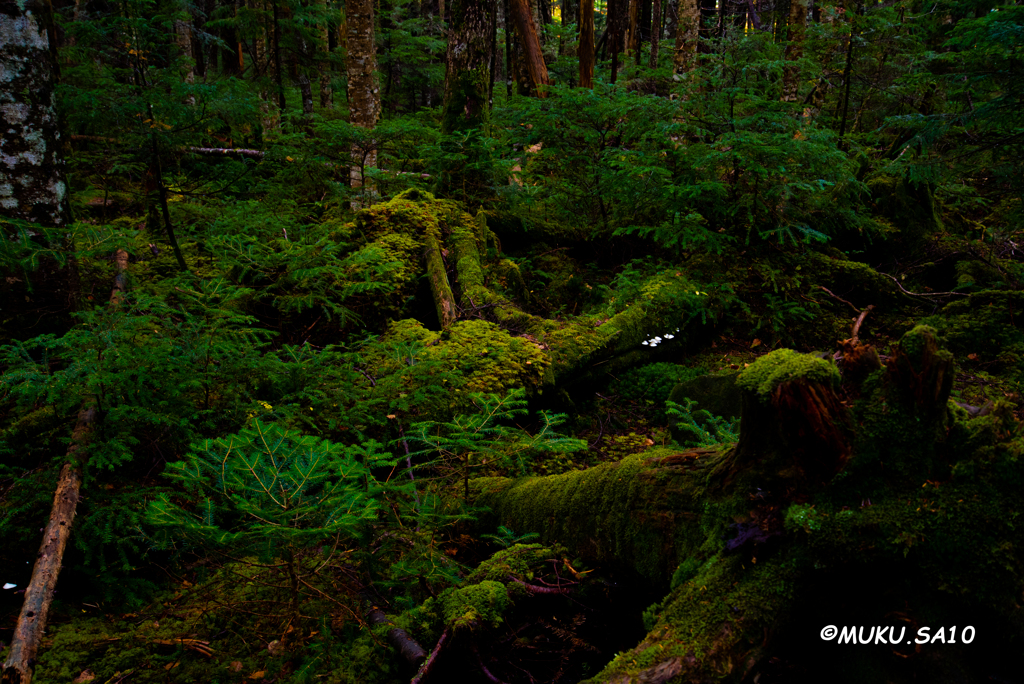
32,185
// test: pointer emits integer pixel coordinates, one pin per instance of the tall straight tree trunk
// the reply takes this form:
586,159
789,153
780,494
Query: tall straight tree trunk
586,49
183,39
278,67
323,54
655,34
533,55
467,75
363,89
633,28
570,16
510,42
795,50
687,34
618,20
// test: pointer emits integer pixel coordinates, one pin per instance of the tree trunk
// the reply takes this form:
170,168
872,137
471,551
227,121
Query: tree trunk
570,15
160,198
655,34
534,56
363,89
687,32
323,51
407,647
437,276
617,23
278,66
586,49
467,79
32,186
794,51
183,39
633,28
32,180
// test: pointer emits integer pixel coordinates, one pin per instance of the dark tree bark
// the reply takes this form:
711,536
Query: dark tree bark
795,50
278,67
655,34
468,72
407,647
323,50
586,50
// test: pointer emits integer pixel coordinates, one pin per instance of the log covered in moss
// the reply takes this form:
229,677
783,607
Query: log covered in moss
893,487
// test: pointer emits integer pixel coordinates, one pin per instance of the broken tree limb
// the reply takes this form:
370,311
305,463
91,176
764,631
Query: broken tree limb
428,664
407,647
28,632
39,595
439,286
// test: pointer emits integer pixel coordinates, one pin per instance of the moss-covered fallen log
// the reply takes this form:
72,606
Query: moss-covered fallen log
883,477
470,281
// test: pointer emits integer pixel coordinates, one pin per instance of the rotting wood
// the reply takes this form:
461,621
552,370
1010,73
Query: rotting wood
407,647
28,632
39,595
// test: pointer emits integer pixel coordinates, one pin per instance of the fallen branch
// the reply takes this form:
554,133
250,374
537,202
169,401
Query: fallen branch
838,298
407,647
429,662
925,296
534,589
39,595
28,632
483,668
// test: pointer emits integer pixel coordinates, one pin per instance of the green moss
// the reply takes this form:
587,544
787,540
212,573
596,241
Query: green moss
784,365
468,608
487,357
612,513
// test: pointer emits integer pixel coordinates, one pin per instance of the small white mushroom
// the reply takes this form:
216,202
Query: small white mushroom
645,343
9,586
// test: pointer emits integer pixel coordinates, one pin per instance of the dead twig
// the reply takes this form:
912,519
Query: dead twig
838,298
924,296
860,319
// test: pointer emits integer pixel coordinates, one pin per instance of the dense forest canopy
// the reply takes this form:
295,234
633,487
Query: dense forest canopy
511,341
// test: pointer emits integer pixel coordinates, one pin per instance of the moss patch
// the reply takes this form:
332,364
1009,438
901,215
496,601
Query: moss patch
784,365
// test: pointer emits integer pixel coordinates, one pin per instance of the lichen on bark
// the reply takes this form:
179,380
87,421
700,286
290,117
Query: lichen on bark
32,184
